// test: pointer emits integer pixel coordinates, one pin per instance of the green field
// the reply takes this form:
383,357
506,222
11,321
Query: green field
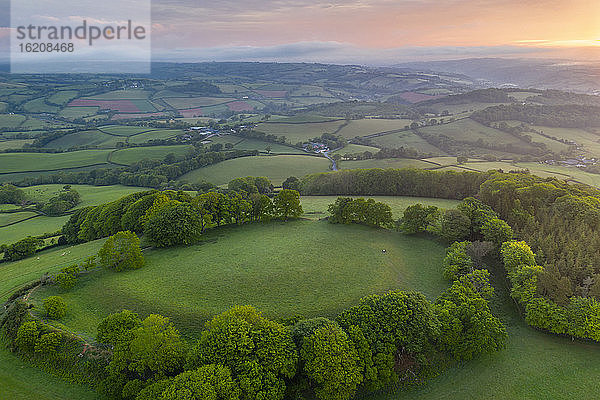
135,154
587,139
34,227
11,120
90,195
14,217
299,132
40,106
14,144
469,130
364,127
127,94
85,138
154,135
123,130
386,163
309,268
22,381
182,103
407,139
78,112
356,148
276,168
241,143
63,97
316,206
18,162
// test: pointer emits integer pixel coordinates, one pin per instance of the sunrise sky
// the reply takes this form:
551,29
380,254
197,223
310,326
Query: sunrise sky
373,31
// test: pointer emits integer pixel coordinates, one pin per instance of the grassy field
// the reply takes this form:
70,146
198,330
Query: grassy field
153,135
356,148
63,97
14,144
470,131
121,130
254,144
14,217
40,106
386,163
588,140
364,127
181,103
299,132
407,139
11,120
309,268
78,112
134,154
316,206
131,94
276,168
90,195
22,381
85,138
34,227
16,274
19,162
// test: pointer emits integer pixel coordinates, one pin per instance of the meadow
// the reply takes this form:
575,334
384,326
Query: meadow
135,154
241,143
309,268
276,168
299,132
364,127
409,140
21,162
386,163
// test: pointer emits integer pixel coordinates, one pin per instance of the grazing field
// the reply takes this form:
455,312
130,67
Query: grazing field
135,154
14,217
63,97
316,206
123,130
154,135
90,195
299,132
276,168
35,226
356,148
254,144
364,127
18,162
470,131
85,138
386,163
40,106
309,268
11,120
132,94
78,112
182,103
14,144
22,381
409,140
590,141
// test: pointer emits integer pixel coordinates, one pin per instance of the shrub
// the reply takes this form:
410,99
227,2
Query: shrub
55,307
113,326
121,252
47,343
67,278
209,382
27,335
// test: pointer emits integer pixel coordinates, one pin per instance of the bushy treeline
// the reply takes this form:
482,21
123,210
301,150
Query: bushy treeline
394,182
171,218
560,116
146,173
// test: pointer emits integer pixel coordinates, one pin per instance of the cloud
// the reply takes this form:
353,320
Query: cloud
333,52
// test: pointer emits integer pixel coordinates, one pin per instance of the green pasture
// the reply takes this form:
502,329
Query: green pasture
586,138
17,162
154,135
78,112
241,143
316,206
124,94
135,154
299,132
468,130
37,106
276,168
386,163
90,195
11,120
85,138
356,148
182,103
309,268
14,217
407,139
364,127
123,130
32,227
63,97
14,144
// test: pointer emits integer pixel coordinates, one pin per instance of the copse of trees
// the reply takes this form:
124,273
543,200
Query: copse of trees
347,210
21,249
10,194
64,201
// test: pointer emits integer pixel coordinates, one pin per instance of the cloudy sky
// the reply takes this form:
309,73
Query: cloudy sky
371,31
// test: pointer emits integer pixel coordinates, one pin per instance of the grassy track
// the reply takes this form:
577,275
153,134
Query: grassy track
277,168
309,268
